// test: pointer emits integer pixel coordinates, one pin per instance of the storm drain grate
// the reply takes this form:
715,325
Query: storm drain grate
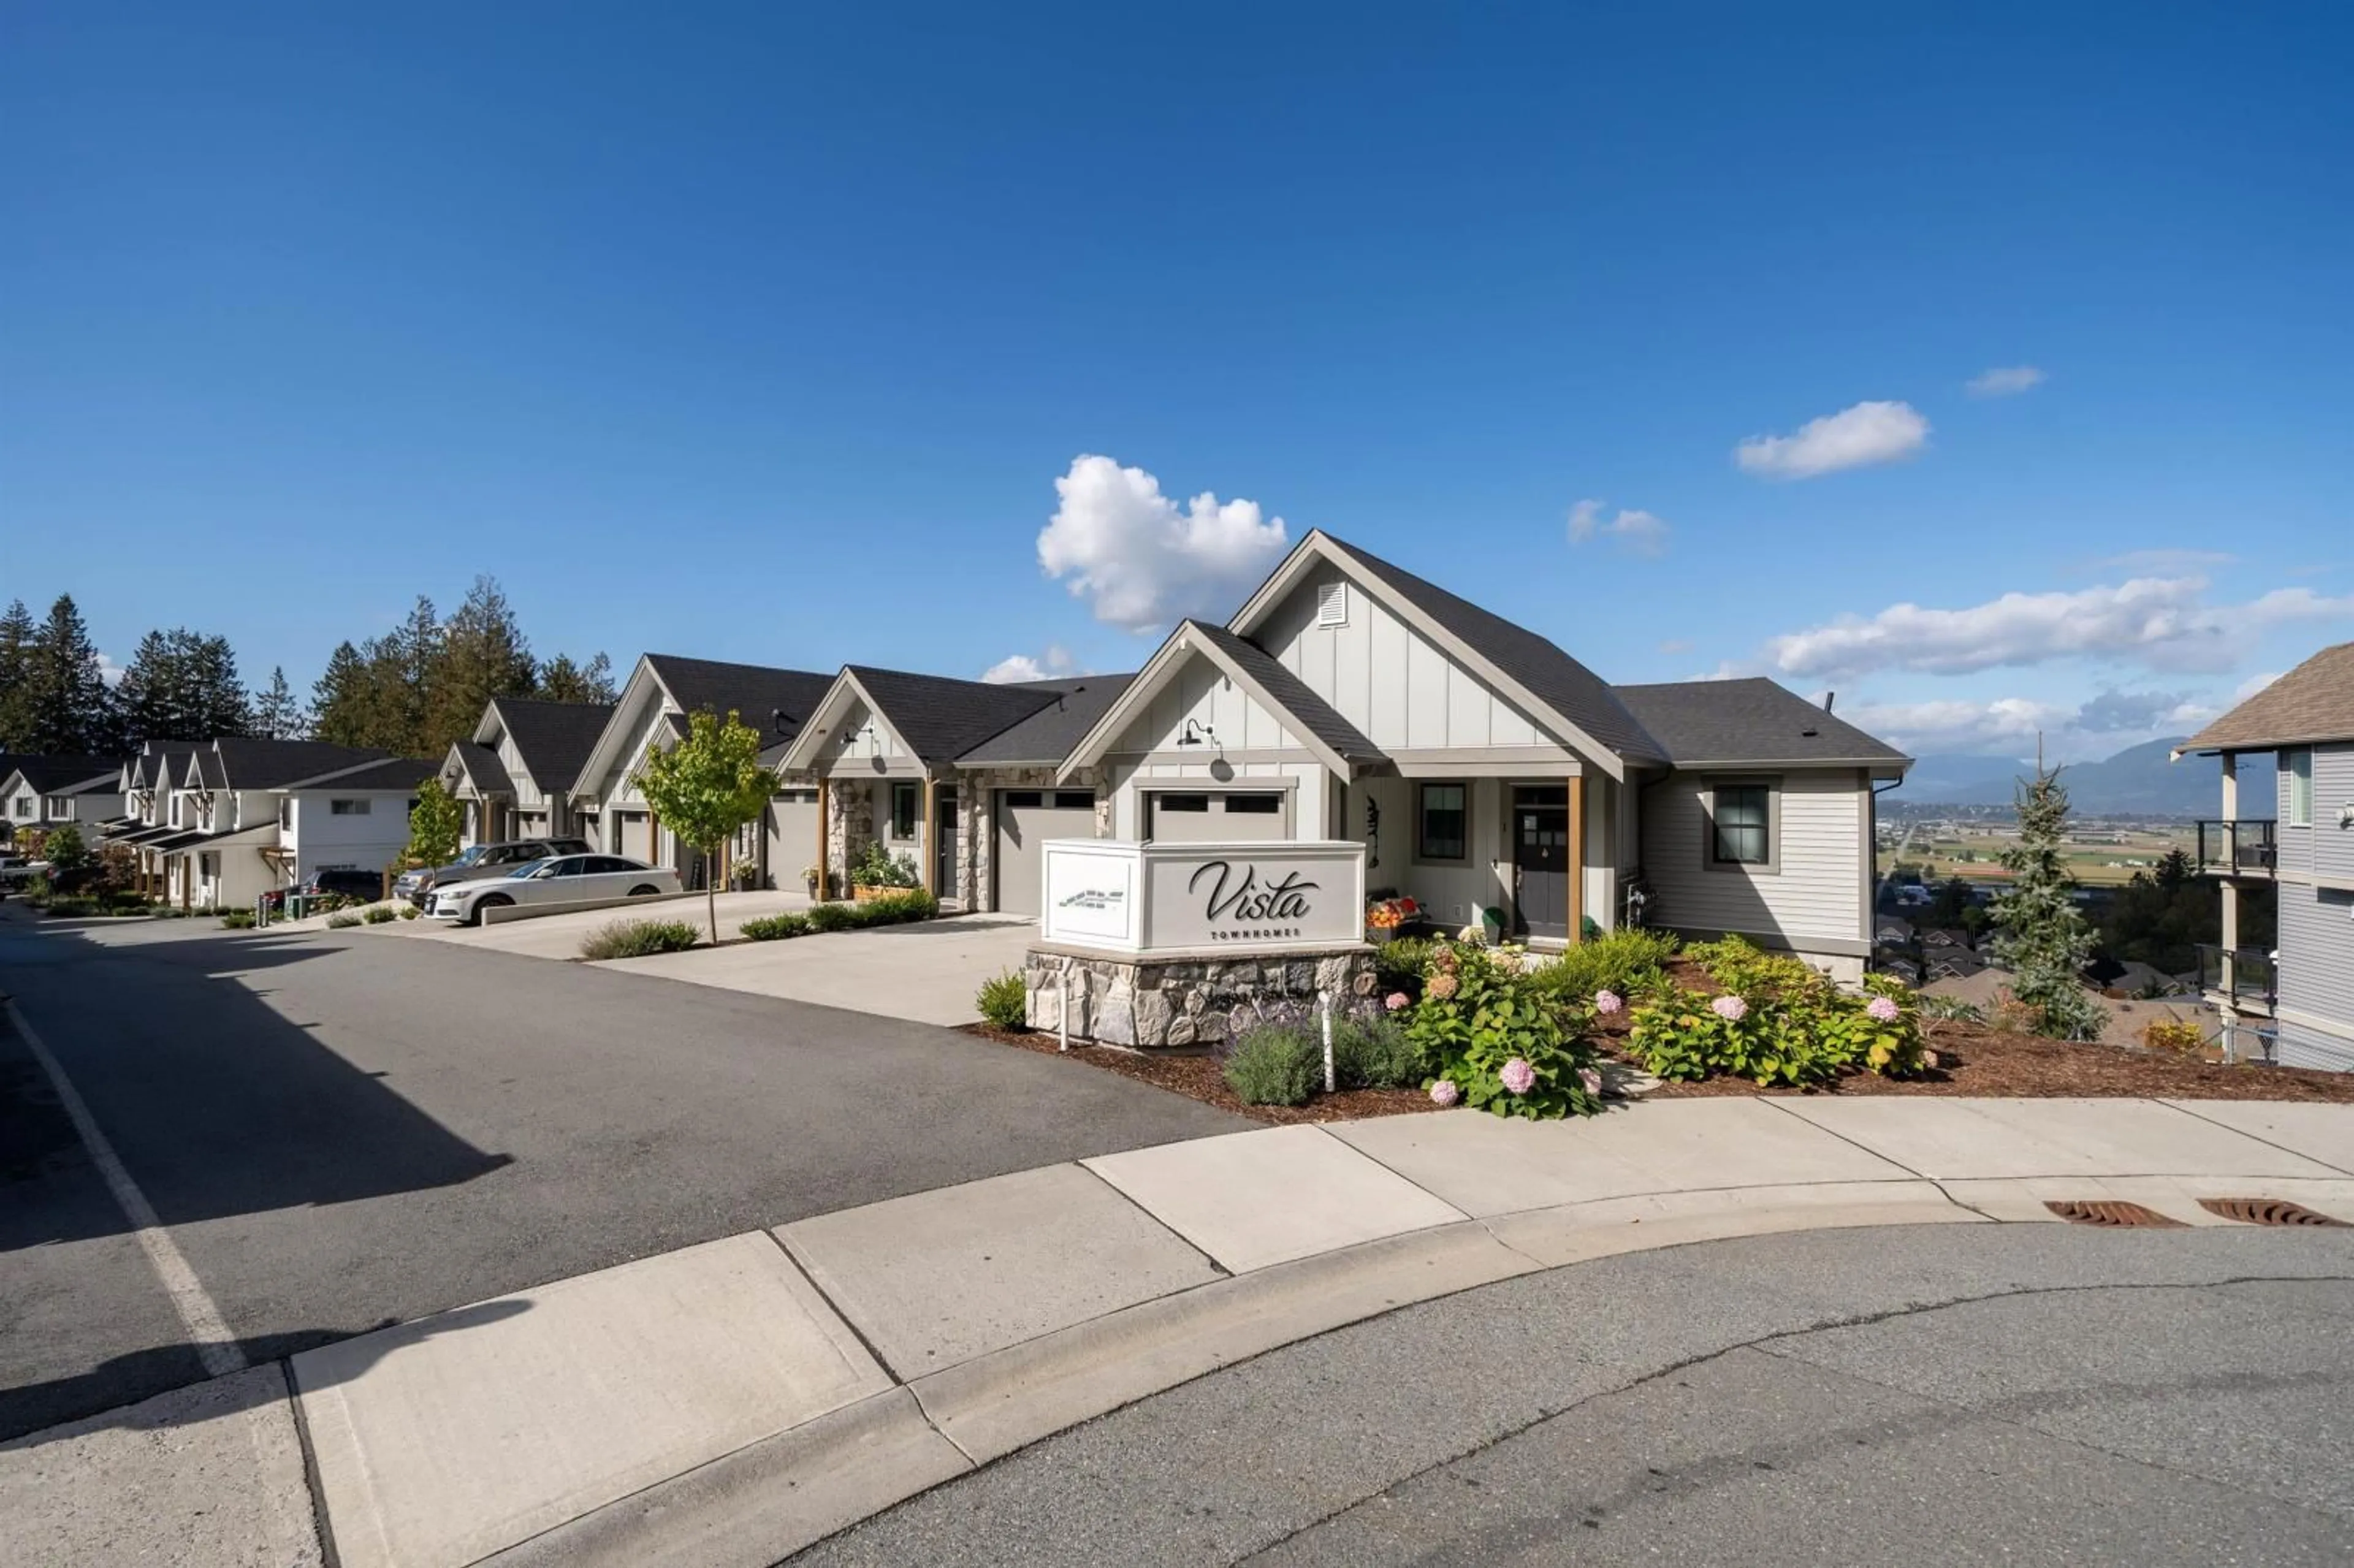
2108,1212
2265,1212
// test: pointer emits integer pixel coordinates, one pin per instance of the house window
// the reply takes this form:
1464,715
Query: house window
1442,822
2298,766
59,808
285,810
1741,825
347,808
906,805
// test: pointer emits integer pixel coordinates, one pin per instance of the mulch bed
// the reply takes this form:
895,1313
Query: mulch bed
1197,1078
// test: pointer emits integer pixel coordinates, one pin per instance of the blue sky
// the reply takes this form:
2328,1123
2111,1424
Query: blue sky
764,335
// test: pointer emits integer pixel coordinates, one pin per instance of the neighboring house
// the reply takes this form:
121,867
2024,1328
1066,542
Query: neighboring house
663,691
1954,963
1892,930
46,792
205,817
515,774
352,818
1483,767
962,777
2294,1003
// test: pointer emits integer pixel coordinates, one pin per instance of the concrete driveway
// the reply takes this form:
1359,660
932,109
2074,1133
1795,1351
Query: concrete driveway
927,973
559,936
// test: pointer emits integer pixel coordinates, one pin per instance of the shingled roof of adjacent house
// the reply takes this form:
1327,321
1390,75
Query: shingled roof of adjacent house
1294,695
940,717
1551,676
555,738
777,703
1751,722
392,773
53,773
484,771
248,763
2313,702
1046,735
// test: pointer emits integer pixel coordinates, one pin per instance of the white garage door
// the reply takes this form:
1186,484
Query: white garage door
1179,817
792,835
1026,819
634,831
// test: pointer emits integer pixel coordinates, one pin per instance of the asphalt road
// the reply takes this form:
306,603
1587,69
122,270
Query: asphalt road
344,1129
1948,1394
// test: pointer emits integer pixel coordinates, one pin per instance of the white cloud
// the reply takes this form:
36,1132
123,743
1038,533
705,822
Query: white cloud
1141,559
1639,532
1056,661
2255,684
109,671
2013,726
2004,381
2163,622
1853,438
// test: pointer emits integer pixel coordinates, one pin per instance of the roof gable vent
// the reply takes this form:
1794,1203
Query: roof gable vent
1332,604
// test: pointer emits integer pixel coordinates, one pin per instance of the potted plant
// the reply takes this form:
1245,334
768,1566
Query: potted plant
809,879
878,871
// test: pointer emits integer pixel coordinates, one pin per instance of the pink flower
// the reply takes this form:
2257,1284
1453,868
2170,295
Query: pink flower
1518,1076
1395,1001
1445,1093
1883,1008
1731,1008
1440,985
1592,1079
1606,1002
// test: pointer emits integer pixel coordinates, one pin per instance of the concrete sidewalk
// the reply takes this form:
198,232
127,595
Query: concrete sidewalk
732,1402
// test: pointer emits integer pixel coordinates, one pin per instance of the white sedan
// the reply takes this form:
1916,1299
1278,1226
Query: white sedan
564,879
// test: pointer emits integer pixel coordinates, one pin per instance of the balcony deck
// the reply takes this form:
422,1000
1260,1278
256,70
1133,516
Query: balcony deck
2245,979
2243,848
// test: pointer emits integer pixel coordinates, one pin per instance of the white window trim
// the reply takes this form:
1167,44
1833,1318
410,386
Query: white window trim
2299,770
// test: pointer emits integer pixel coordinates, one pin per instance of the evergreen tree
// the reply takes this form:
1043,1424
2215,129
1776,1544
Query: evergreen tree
181,685
69,707
2038,934
277,712
562,680
479,654
17,635
339,700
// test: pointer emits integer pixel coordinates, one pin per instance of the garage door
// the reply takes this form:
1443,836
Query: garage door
635,835
1238,816
792,835
1026,819
531,824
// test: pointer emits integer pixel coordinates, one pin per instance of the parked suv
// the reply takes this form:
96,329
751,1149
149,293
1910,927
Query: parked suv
351,880
483,860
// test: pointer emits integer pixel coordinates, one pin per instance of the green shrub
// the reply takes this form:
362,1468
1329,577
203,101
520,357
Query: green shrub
1628,962
636,938
337,922
1374,1051
1482,1020
379,915
896,908
778,927
411,911
1400,962
1953,1008
74,907
1004,1001
1739,965
1805,1036
879,868
237,920
1275,1064
833,918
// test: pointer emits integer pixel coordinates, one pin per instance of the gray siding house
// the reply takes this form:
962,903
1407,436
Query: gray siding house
2295,1002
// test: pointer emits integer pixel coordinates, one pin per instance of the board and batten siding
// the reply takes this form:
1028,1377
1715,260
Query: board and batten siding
1815,894
1399,688
1202,693
527,791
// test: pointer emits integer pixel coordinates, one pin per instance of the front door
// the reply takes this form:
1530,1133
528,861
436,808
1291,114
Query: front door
1540,859
945,820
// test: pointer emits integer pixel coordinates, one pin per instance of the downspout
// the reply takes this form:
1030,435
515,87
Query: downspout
1878,885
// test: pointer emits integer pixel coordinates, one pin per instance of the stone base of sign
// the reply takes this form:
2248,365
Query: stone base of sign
1187,1001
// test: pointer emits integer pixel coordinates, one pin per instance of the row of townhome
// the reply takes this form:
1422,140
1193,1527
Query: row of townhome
1481,766
2294,1002
42,792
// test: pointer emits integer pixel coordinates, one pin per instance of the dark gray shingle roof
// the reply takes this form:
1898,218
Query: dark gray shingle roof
1046,736
1292,694
393,773
1556,679
555,738
777,703
483,769
245,763
1747,721
51,773
941,717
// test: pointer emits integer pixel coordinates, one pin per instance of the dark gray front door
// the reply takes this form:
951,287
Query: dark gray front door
944,820
1541,858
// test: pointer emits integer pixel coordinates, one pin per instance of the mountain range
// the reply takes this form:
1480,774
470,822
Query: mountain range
2139,779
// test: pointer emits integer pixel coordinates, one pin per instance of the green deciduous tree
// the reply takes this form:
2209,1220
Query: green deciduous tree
2039,932
435,825
705,787
63,849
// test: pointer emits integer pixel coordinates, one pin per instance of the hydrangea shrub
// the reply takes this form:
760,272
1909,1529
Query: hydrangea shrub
1497,1040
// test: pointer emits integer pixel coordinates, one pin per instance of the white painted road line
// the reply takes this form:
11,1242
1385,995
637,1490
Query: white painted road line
215,1346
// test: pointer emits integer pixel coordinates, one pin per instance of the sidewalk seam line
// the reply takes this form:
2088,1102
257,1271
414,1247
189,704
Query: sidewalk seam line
216,1349
313,1481
2256,1138
837,1309
1851,1143
1382,1164
1220,1269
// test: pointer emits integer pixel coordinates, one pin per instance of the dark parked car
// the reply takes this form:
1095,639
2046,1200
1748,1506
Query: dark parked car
483,860
352,882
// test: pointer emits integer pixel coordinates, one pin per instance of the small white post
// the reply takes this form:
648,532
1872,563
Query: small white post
1324,1006
1062,1011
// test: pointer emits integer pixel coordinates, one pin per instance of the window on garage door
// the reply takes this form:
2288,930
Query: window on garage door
1269,805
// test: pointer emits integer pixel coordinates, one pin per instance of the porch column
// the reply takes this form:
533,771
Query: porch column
824,804
1578,856
930,839
2228,965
